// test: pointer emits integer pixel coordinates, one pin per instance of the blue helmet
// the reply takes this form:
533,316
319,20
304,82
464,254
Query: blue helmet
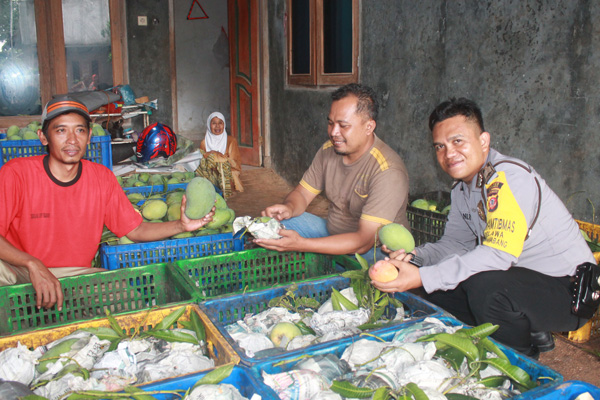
156,140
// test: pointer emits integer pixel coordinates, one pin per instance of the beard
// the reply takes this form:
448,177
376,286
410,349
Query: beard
341,153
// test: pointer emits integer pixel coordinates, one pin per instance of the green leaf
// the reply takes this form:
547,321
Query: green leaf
363,263
114,344
382,393
512,371
493,381
171,336
104,333
481,331
73,369
465,345
137,393
354,274
215,376
335,302
197,326
491,346
114,324
453,356
367,326
376,314
458,396
395,302
168,321
348,390
305,329
416,391
343,301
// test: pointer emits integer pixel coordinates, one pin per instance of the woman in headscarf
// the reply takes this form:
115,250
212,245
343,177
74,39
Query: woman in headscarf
222,162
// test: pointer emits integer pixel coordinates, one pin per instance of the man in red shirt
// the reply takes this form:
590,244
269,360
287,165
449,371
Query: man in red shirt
55,206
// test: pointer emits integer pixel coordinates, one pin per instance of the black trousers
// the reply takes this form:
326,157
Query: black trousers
519,300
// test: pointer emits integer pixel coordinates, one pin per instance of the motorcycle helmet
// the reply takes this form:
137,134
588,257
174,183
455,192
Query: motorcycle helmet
156,140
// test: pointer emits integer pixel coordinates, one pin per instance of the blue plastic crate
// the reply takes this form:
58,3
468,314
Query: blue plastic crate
568,390
227,310
547,378
163,251
99,150
241,377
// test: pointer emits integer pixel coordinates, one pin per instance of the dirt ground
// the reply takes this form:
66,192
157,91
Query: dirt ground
263,187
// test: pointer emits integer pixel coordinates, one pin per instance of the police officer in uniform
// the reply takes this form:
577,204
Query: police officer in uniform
510,246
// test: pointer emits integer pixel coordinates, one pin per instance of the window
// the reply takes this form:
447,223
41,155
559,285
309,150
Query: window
38,61
322,42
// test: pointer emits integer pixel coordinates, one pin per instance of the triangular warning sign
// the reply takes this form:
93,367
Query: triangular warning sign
203,14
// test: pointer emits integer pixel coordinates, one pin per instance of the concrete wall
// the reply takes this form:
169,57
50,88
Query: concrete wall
149,56
202,59
531,65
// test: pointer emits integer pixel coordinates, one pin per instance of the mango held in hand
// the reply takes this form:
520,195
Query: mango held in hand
396,237
200,195
383,271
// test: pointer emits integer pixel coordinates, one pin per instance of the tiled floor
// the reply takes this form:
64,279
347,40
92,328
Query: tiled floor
263,187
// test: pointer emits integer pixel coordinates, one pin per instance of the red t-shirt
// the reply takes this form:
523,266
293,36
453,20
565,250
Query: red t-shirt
61,223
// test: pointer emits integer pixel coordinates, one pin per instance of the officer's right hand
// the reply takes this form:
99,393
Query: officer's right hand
47,287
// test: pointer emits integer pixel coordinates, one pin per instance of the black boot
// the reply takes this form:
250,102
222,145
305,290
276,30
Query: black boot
544,341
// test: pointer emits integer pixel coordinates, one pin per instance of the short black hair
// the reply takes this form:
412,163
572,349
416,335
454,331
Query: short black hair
367,99
453,107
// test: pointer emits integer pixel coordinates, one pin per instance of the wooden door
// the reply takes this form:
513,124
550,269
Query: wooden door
244,79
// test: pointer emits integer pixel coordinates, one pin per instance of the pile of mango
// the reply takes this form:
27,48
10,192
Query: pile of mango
430,205
29,132
147,179
161,208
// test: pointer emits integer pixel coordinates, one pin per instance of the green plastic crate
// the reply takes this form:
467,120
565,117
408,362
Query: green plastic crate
86,297
256,269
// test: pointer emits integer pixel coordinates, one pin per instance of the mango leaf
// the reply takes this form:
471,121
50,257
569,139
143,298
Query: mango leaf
335,302
376,314
114,344
491,346
137,393
305,329
416,391
464,344
368,326
512,371
168,321
453,356
171,336
197,326
363,263
354,274
104,333
215,376
74,370
348,390
480,331
458,396
342,300
395,302
492,381
114,324
382,393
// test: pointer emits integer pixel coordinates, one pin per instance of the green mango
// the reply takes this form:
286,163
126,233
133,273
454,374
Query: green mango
200,195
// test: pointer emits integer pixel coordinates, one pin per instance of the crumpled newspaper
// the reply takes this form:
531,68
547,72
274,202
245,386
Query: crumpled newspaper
296,384
343,323
18,364
260,228
223,391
